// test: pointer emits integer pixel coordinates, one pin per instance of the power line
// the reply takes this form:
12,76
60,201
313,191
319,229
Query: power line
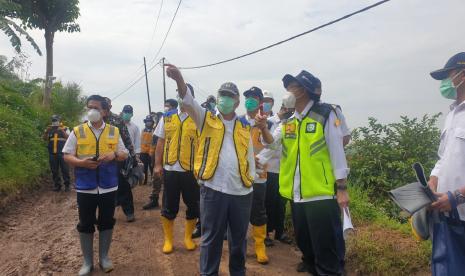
166,35
155,28
135,82
288,39
130,79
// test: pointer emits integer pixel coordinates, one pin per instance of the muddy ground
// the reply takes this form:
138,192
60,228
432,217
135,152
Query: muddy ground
38,237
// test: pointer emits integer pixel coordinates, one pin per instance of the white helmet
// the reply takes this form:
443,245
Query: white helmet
268,94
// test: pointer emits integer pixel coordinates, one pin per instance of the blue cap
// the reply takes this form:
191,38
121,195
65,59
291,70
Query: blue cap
127,109
304,78
456,61
254,91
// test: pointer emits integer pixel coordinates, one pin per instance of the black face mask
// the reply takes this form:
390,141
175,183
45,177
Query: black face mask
288,114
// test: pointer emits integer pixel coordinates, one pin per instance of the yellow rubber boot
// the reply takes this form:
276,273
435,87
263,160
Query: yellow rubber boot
259,234
188,242
168,231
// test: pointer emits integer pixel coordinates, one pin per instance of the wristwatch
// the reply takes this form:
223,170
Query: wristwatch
459,197
341,187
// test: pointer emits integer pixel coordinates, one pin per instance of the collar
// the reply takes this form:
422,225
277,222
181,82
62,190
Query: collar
298,115
456,105
91,126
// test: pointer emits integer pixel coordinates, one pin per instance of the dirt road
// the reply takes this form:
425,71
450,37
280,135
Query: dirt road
38,237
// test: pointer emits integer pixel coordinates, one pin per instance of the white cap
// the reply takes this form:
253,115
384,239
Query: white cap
267,94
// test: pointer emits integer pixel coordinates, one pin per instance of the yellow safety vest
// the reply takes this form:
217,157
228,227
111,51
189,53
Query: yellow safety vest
305,141
181,140
146,141
211,142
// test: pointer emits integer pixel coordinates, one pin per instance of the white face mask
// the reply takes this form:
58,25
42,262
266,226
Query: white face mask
167,109
289,100
93,115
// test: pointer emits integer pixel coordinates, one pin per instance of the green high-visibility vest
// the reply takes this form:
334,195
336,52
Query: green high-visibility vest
305,141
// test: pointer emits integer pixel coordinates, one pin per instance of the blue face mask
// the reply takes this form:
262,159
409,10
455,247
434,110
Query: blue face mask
267,107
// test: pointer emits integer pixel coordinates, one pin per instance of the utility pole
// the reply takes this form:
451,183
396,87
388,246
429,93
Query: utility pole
164,84
147,83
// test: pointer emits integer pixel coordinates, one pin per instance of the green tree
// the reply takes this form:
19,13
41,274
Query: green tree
380,156
51,16
8,11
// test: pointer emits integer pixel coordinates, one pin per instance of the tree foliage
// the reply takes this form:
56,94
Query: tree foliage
380,156
8,12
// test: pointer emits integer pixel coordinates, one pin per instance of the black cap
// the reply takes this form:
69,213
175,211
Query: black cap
229,87
172,102
149,118
254,91
211,99
457,61
127,109
304,78
56,118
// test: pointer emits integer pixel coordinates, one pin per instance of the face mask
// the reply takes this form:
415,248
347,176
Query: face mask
55,123
288,114
289,100
126,116
166,109
212,106
148,125
94,115
251,104
267,107
447,88
226,104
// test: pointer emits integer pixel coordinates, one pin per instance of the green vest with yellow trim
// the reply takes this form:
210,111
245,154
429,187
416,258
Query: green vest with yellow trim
304,141
181,140
211,142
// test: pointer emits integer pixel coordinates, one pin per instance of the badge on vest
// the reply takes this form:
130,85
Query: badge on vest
310,128
290,131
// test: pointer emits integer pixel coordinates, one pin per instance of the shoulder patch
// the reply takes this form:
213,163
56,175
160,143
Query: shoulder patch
244,121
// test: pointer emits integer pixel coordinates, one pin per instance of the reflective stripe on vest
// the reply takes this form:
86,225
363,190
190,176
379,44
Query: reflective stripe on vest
305,141
181,141
211,142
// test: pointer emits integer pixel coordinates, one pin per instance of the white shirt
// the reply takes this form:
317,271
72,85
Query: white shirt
333,137
257,179
70,147
345,130
227,178
134,133
272,155
160,132
450,168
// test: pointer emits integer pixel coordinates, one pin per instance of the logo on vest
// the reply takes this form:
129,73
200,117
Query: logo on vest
310,128
290,131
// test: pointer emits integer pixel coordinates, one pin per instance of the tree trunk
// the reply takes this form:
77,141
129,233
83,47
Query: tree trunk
49,35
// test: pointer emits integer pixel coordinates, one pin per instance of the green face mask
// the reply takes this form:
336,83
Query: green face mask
251,104
226,104
447,88
126,117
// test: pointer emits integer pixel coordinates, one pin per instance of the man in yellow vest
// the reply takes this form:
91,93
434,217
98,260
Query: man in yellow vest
93,149
313,175
56,135
258,219
174,160
224,166
146,138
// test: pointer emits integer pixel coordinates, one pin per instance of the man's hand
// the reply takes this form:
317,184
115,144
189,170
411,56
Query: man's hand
158,171
261,121
107,157
258,165
442,203
433,183
88,163
173,72
342,198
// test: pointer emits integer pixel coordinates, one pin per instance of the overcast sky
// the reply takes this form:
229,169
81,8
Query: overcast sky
375,64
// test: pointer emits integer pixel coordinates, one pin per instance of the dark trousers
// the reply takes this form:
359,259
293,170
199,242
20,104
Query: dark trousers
57,164
318,233
175,185
87,207
275,206
258,212
147,160
220,211
124,196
